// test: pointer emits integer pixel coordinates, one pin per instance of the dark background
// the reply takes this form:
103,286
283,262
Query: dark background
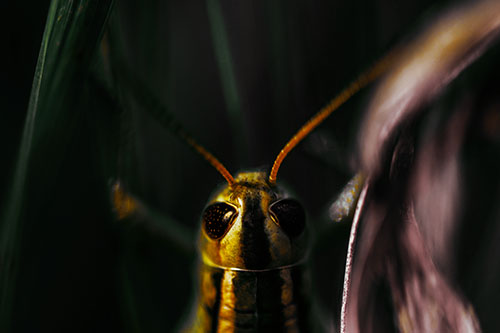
80,270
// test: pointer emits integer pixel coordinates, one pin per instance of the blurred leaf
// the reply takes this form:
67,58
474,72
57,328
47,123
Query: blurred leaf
396,286
427,65
405,276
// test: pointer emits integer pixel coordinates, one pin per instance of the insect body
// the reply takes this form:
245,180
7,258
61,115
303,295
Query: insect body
253,243
253,246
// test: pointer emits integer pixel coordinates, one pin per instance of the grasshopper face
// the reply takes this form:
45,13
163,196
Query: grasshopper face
253,225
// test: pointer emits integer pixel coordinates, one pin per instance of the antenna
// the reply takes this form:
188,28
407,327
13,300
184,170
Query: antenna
206,155
164,117
363,80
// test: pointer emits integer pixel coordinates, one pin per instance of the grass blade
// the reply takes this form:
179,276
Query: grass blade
228,77
9,236
72,32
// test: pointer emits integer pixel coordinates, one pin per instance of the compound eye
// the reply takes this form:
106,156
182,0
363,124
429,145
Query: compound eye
218,218
289,215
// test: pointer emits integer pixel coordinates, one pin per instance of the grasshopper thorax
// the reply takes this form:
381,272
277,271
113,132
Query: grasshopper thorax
253,225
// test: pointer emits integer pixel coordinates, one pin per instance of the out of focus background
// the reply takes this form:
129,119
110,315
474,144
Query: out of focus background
241,77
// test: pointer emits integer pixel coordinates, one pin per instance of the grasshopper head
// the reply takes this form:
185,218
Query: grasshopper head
253,225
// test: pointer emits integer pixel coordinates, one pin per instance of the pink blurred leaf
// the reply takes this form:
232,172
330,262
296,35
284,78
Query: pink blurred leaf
425,67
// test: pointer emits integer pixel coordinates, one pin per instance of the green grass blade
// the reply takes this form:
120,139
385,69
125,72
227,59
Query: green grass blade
228,77
72,32
10,226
